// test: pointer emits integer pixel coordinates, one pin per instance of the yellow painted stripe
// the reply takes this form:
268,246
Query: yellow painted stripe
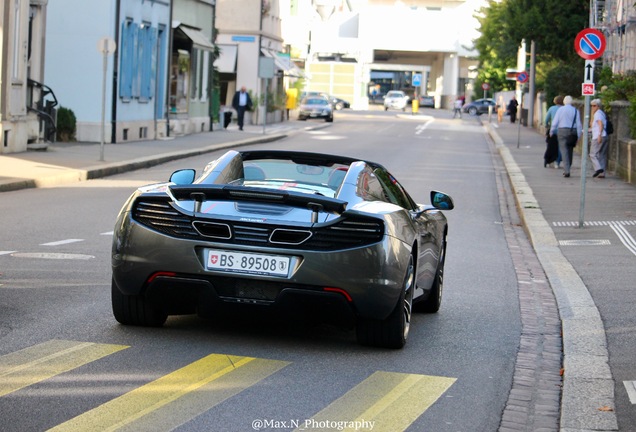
177,397
384,402
43,361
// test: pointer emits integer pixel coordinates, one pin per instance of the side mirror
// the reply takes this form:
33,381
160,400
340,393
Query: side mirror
441,201
183,177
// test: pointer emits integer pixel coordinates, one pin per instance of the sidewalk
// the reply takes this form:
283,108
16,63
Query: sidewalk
542,195
72,162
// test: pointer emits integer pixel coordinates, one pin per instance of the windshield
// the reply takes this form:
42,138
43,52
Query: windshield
289,175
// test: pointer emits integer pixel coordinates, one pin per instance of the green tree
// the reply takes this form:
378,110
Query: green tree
551,24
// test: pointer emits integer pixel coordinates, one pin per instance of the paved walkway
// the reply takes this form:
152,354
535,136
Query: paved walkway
542,194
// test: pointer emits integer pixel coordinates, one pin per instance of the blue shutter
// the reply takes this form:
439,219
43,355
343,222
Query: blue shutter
126,68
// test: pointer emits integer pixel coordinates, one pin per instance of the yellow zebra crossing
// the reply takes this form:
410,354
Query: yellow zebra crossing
385,401
38,363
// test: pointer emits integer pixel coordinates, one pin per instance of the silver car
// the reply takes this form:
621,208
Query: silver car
310,234
395,99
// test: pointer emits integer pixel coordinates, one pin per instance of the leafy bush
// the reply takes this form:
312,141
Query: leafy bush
617,87
66,124
564,79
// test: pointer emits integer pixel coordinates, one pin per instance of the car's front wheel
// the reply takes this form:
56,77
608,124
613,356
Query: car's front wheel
472,111
393,331
135,309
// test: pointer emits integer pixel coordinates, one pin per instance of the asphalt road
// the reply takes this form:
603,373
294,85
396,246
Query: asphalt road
55,318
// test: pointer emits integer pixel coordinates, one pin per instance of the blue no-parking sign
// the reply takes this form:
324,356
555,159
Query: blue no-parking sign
589,44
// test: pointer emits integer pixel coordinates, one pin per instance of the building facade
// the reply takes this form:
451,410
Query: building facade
250,41
134,73
25,114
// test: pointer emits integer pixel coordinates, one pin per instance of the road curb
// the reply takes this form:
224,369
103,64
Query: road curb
588,386
98,171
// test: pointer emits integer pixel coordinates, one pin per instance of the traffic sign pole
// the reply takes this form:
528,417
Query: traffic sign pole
590,45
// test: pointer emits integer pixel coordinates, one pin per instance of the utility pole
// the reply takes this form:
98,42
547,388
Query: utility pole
531,91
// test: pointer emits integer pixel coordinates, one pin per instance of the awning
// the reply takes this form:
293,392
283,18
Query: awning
197,37
284,64
226,63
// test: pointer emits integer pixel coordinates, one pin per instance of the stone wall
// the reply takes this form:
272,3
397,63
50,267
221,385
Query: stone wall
622,149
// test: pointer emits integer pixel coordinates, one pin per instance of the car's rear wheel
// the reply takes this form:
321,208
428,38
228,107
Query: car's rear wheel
393,331
135,309
433,302
339,106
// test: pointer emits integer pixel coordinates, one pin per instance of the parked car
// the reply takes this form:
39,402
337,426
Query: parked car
395,99
315,107
320,235
427,101
336,102
480,106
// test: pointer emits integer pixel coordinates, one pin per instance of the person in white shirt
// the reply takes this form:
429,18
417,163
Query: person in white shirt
599,143
565,120
458,108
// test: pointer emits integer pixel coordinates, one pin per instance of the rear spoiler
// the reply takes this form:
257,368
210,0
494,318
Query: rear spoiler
211,192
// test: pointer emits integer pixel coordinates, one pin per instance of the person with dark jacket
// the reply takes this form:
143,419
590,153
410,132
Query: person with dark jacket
241,102
512,109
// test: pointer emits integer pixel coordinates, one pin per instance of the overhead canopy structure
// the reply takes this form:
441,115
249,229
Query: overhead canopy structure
198,38
283,63
226,63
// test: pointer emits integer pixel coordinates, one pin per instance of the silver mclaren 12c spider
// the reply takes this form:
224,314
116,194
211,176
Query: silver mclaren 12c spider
305,233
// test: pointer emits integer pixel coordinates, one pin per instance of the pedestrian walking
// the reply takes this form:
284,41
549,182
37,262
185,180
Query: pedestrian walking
457,110
501,109
241,102
512,109
566,125
599,142
552,153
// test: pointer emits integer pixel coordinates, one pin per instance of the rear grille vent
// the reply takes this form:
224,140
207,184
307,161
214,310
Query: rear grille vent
161,216
348,233
213,230
263,209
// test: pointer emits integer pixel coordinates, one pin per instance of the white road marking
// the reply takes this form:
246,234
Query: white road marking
584,243
617,226
44,255
624,237
631,390
62,242
108,233
6,252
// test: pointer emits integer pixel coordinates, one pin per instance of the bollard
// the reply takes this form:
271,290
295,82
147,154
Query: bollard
415,105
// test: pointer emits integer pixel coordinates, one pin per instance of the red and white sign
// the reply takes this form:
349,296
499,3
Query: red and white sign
522,77
588,89
485,86
589,44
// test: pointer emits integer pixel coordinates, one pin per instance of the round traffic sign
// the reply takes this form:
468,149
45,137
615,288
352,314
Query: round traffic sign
589,44
522,77
485,86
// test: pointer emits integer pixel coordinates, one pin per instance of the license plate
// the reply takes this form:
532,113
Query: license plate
250,263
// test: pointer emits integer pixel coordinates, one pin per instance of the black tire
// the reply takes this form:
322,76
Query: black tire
329,119
386,108
472,111
394,330
433,302
135,310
